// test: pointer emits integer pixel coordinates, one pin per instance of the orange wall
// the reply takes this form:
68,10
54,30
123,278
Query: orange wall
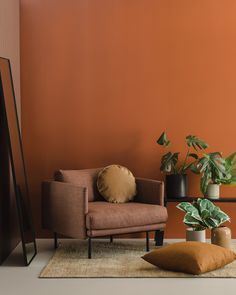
102,79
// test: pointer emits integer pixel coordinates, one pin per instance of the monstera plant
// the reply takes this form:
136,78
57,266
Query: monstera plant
200,215
176,179
215,170
170,160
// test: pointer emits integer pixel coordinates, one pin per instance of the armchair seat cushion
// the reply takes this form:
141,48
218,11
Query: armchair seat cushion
105,215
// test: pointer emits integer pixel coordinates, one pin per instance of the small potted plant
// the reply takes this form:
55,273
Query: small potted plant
200,215
215,170
176,178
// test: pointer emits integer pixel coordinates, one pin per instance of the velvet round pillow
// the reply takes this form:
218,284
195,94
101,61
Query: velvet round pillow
116,184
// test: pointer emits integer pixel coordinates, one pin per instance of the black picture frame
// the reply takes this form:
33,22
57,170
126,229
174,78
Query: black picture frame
17,164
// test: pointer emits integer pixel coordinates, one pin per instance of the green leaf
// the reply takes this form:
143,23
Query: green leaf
194,168
202,213
190,220
210,223
205,180
230,159
230,166
212,167
205,214
184,169
205,205
196,143
193,155
190,209
186,207
220,216
168,162
163,140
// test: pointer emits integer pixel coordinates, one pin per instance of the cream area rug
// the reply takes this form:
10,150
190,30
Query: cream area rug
120,259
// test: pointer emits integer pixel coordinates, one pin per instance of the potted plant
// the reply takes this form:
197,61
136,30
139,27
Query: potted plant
215,170
176,178
200,215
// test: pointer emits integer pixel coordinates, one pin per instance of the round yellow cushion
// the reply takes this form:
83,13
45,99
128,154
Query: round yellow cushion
116,184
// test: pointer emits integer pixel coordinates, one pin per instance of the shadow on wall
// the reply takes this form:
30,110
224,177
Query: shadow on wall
126,155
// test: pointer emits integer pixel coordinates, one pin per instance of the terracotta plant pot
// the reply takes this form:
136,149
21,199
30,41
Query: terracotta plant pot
221,236
195,235
213,191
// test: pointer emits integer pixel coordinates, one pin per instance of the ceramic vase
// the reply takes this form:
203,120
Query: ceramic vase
213,191
195,235
221,236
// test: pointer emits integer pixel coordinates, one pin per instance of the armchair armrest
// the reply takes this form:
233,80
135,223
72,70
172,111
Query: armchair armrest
150,191
64,208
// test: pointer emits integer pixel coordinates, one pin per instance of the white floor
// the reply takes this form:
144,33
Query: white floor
19,280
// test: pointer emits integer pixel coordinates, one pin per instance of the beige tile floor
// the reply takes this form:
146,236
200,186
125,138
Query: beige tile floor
24,280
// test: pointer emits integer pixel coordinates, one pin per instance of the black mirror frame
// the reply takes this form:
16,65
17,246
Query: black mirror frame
16,188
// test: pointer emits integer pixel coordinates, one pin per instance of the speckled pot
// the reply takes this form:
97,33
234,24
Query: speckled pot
221,236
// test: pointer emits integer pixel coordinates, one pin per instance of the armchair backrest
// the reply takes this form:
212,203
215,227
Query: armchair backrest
85,178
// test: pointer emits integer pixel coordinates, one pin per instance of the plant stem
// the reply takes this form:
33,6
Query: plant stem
185,160
175,170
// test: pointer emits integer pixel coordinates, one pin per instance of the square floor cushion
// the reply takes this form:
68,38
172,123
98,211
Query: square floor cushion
190,257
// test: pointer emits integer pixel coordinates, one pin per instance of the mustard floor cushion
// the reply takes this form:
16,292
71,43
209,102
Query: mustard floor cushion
190,257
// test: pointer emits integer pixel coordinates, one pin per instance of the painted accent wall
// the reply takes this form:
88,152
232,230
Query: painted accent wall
102,79
9,48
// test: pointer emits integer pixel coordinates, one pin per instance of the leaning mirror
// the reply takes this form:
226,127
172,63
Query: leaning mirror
19,181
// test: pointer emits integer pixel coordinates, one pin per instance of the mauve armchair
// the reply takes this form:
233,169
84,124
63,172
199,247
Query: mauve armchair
73,207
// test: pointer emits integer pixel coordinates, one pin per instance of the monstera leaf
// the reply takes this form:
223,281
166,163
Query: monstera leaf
230,167
213,169
163,140
196,143
168,162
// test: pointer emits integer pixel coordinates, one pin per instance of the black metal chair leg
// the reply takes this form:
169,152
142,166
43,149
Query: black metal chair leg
89,248
159,237
147,241
111,239
55,241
